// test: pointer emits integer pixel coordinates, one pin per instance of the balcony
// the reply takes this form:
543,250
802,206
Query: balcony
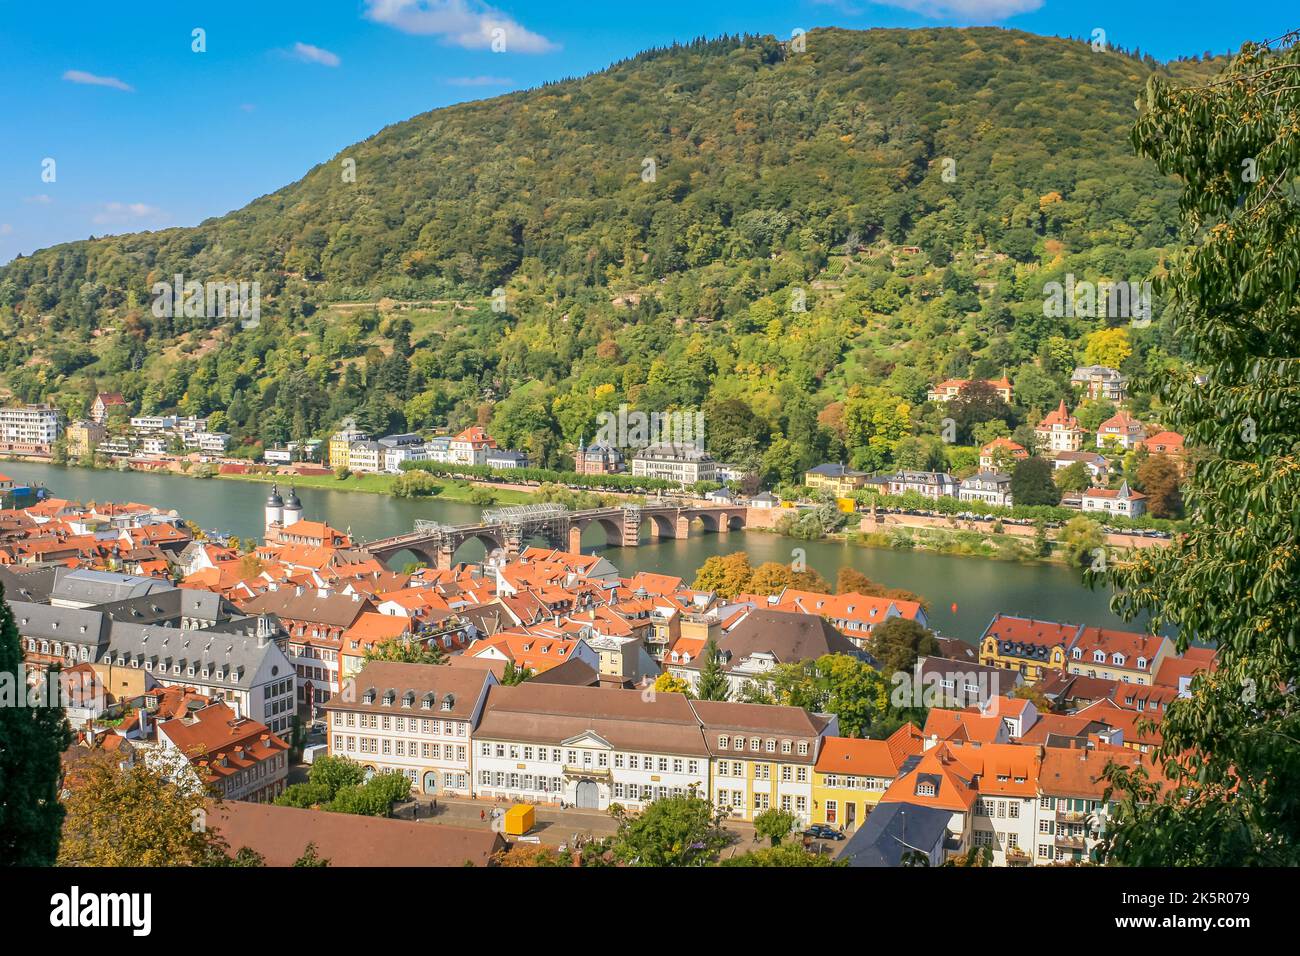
572,771
1071,842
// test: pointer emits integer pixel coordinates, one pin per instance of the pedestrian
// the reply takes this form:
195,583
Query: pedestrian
435,804
482,814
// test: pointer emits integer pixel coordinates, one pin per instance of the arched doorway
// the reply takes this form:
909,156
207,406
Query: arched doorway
430,782
588,795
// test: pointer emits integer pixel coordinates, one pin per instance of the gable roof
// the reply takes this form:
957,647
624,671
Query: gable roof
281,835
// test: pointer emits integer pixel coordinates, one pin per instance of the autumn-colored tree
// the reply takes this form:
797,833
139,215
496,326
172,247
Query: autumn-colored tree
1161,481
666,683
1109,347
250,566
531,855
809,579
133,816
852,581
771,578
727,575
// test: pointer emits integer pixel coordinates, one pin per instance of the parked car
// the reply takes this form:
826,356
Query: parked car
820,831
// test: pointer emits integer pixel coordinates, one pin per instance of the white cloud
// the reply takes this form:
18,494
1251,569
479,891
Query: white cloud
471,24
480,81
41,199
5,229
314,54
965,9
117,213
81,76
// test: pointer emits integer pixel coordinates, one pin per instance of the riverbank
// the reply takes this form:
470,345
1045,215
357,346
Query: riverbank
446,490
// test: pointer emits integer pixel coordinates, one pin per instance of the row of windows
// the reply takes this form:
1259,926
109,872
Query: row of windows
520,781
855,783
401,748
423,725
760,745
1001,809
1099,657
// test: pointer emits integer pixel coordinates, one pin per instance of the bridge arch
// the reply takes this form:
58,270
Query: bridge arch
610,524
661,525
489,539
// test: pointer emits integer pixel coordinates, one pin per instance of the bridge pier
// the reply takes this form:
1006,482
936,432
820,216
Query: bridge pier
724,523
631,527
575,539
446,559
682,527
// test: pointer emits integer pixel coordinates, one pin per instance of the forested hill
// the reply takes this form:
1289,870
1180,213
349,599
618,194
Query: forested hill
770,165
757,148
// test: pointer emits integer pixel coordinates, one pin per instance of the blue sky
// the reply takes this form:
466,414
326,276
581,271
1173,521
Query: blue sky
146,133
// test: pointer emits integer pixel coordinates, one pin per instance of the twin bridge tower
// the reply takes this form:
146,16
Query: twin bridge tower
510,529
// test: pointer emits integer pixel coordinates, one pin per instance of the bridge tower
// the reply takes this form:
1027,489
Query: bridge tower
631,526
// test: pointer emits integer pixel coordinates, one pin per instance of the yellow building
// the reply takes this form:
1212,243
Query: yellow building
1033,648
340,448
835,479
851,775
83,436
761,757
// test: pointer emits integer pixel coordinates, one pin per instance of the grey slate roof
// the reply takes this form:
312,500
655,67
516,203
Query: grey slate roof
102,587
893,829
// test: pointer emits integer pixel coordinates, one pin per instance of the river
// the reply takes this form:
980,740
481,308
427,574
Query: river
977,588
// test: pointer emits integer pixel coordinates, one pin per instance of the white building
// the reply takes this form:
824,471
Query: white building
588,747
988,487
931,484
1116,501
29,429
364,456
683,463
415,719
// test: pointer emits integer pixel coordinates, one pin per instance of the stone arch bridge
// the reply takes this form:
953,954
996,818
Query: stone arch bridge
511,528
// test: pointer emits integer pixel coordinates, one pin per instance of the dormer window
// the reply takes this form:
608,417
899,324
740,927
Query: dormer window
1077,653
390,695
1117,660
448,701
426,702
925,789
369,696
408,699
1099,657
723,742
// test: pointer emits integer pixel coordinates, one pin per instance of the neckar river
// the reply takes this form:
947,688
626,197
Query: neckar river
977,588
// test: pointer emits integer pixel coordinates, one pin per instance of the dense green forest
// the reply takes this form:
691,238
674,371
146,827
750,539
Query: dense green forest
726,225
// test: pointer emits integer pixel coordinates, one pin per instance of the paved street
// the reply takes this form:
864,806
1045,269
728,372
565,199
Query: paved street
555,826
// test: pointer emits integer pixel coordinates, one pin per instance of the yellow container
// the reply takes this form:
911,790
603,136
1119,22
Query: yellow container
846,505
520,819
